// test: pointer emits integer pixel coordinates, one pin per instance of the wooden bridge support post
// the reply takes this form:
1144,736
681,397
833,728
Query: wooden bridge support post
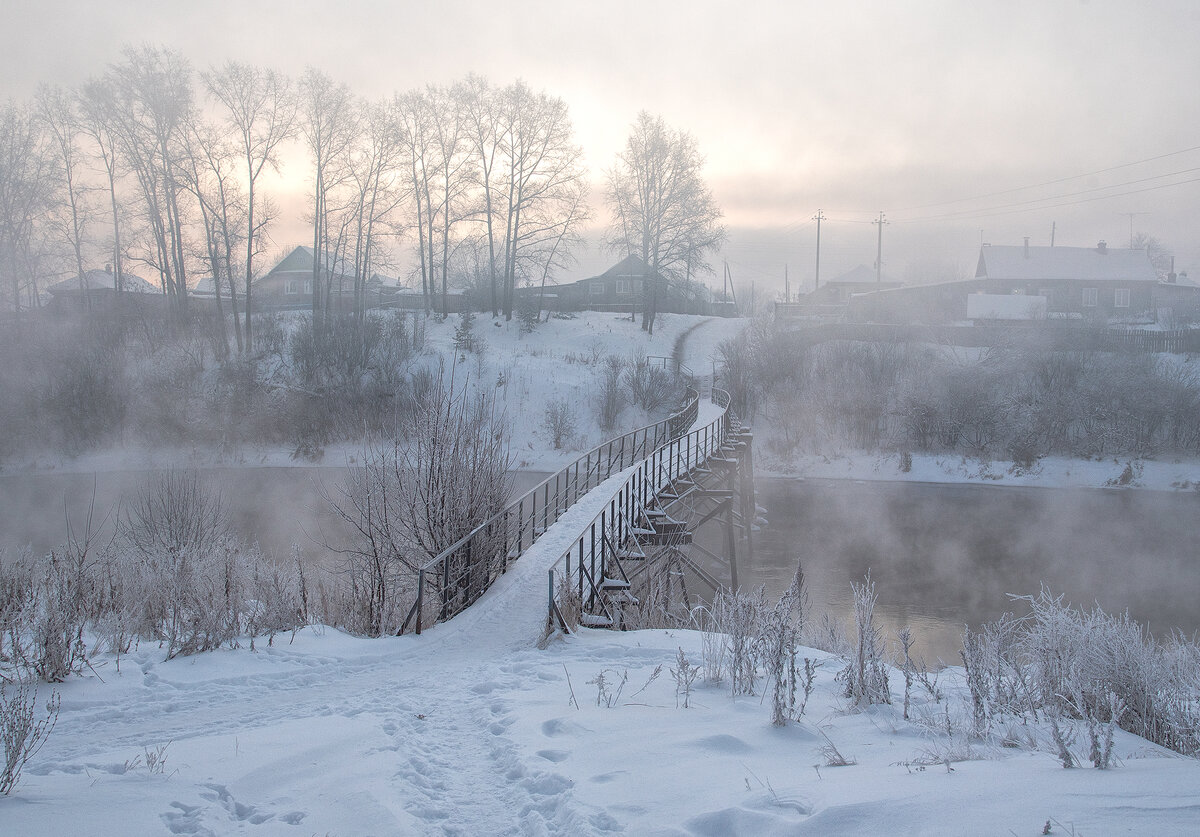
749,506
731,546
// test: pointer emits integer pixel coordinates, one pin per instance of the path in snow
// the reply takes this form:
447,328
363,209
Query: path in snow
399,735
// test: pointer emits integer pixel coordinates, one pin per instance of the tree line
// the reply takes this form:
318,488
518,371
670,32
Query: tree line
154,164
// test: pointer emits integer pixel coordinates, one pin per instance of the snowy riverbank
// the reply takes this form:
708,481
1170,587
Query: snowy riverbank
470,729
1048,472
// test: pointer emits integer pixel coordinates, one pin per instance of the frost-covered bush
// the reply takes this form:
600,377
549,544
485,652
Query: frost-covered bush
21,731
649,386
779,635
735,620
560,421
1068,665
445,473
866,675
610,400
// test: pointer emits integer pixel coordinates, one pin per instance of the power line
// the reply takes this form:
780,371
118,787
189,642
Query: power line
975,212
1052,182
991,214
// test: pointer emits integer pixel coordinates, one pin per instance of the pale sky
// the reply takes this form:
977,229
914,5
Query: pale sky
924,110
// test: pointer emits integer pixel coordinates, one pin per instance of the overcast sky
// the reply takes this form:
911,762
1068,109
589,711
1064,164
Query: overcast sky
922,110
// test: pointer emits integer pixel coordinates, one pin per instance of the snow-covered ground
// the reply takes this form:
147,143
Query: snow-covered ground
472,729
560,359
1049,472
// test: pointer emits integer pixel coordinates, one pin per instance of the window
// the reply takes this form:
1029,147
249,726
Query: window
596,288
624,287
292,286
1089,298
1121,298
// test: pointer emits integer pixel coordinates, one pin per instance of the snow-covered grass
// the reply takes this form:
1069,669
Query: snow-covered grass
469,729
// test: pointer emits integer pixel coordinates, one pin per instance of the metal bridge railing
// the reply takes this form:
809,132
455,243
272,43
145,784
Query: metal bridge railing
456,577
586,566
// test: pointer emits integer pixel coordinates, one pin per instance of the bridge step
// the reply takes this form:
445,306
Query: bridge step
672,538
640,533
595,620
630,555
670,527
614,584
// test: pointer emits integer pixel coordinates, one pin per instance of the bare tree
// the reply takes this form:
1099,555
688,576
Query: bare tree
544,183
374,162
662,209
210,177
97,109
412,117
418,495
451,167
261,111
1159,254
153,102
481,111
27,182
57,111
327,121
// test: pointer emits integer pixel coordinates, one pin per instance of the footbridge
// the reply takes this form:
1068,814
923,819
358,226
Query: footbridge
664,487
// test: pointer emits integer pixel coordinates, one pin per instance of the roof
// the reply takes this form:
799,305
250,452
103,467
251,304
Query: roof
99,280
300,260
630,266
205,286
1091,264
860,275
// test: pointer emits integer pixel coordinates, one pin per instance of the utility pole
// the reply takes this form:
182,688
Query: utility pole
787,288
1053,225
879,251
1131,214
819,217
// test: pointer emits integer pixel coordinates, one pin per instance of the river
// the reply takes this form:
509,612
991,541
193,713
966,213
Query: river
940,555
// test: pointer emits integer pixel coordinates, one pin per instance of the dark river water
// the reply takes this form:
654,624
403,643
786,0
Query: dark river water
940,555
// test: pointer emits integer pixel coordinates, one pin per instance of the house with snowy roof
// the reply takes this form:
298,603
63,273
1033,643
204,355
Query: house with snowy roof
623,287
98,286
1090,281
860,279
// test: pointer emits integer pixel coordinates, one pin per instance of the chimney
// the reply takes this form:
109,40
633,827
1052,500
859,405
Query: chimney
1171,277
1102,248
1026,246
108,268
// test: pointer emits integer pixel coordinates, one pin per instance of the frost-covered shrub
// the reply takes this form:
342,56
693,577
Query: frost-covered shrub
1072,665
560,421
779,635
734,619
866,676
649,386
610,400
21,731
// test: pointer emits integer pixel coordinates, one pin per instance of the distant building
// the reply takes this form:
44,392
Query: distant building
101,283
623,287
289,283
1087,281
97,287
861,279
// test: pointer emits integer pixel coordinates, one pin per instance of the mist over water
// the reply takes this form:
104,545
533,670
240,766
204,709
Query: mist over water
273,507
942,556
